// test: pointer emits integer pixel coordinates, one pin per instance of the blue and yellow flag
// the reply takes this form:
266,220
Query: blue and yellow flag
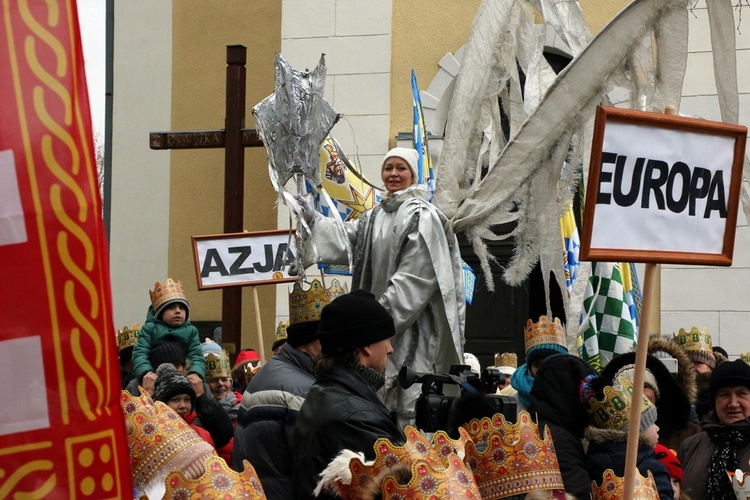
571,246
425,174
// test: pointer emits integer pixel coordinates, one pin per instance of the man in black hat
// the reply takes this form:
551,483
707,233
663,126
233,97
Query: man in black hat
342,409
271,403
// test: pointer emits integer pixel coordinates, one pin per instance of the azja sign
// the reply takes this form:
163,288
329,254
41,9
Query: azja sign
244,259
662,188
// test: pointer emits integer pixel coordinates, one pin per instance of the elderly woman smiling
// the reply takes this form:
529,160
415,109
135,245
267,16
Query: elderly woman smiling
403,255
725,443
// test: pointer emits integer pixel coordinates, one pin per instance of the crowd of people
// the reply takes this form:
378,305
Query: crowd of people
324,413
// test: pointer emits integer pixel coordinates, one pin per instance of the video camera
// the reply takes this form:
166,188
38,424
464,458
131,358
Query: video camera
433,407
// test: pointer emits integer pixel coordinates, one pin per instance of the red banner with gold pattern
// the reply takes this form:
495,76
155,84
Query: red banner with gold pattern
62,433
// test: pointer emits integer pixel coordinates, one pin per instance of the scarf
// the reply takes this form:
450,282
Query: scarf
522,381
728,440
373,378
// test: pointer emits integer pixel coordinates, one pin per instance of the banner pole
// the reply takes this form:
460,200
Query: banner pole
641,352
258,326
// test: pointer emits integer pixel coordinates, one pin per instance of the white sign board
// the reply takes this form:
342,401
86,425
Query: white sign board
662,189
244,259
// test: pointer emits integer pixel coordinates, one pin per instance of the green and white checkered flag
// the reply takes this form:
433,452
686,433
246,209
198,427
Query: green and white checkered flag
608,323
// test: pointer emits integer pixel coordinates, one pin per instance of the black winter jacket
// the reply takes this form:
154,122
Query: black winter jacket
267,415
340,412
607,450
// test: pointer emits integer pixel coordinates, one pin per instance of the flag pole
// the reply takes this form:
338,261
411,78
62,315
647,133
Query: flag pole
256,304
651,286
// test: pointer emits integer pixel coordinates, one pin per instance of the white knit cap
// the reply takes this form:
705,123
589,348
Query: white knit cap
409,155
473,362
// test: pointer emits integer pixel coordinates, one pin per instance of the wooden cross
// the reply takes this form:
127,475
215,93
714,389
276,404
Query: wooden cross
234,139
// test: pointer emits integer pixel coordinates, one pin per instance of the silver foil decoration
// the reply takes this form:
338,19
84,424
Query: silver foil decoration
294,120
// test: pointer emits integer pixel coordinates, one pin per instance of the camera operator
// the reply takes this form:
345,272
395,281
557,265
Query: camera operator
476,398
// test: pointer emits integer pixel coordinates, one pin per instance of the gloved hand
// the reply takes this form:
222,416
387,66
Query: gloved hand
308,212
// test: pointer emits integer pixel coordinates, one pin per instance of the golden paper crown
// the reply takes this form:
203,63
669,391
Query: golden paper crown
544,332
695,340
514,459
613,487
306,305
745,357
166,292
218,366
161,440
508,359
281,331
613,412
127,336
218,483
436,468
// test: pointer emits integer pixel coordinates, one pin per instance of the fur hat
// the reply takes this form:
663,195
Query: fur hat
354,320
409,155
685,375
729,374
167,351
171,383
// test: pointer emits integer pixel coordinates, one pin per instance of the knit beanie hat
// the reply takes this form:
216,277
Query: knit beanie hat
628,371
354,320
609,405
302,333
167,351
171,383
168,293
209,346
729,374
409,155
670,461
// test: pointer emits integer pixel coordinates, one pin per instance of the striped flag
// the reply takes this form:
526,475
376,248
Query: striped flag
425,173
608,321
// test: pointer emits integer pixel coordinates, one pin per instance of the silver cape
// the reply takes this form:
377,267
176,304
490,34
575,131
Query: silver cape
403,256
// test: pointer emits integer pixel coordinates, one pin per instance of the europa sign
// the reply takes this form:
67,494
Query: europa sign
243,259
662,188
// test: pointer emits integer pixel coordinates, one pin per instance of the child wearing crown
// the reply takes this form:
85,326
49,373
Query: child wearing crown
609,409
167,315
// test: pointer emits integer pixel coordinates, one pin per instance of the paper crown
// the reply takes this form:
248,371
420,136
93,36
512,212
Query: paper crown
306,305
164,293
544,332
694,340
507,359
613,487
514,459
161,440
217,366
745,357
437,470
127,336
219,482
281,331
613,411
740,484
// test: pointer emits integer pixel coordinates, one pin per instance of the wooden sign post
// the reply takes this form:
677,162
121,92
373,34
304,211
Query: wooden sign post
244,259
661,189
234,139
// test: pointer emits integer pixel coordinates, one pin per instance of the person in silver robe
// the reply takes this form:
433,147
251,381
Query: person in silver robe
402,255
